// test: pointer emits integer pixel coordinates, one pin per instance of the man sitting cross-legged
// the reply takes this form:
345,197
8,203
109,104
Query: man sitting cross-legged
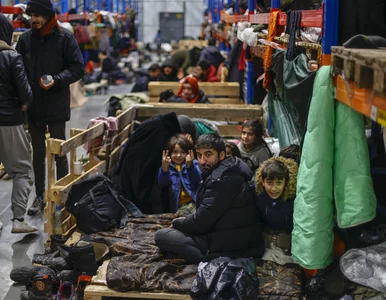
226,222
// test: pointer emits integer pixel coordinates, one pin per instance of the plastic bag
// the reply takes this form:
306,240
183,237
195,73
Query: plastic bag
225,278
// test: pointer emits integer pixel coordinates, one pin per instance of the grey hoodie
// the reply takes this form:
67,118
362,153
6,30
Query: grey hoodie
257,155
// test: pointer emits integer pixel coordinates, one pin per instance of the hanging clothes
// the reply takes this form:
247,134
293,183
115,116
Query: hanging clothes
334,164
273,30
293,30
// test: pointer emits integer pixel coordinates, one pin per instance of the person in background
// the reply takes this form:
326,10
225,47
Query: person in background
226,221
292,152
168,71
181,172
48,49
212,54
252,146
15,149
111,69
276,182
189,91
205,72
153,74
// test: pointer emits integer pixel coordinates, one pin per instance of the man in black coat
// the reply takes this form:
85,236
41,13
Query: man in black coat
48,49
15,150
226,222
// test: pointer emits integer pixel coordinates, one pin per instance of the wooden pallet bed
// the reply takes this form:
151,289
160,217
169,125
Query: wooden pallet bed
58,191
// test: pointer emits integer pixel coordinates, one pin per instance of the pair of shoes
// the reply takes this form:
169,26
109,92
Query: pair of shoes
22,227
36,207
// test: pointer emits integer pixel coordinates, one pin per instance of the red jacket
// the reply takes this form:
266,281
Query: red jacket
211,75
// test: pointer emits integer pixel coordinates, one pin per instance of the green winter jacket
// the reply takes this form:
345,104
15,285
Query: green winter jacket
334,166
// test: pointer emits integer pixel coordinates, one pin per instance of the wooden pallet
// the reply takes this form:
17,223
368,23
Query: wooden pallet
98,289
366,67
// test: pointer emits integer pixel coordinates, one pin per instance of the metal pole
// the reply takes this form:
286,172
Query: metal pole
250,85
330,29
275,3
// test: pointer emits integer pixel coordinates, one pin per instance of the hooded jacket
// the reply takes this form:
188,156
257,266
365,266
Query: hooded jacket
226,214
277,214
14,88
172,76
56,54
212,55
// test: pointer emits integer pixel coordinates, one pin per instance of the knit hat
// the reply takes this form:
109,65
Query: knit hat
41,7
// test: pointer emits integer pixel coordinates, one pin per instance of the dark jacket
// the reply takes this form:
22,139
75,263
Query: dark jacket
189,178
226,213
177,99
14,88
212,55
58,55
140,161
171,77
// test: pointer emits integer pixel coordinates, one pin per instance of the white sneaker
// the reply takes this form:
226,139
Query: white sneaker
22,227
1,226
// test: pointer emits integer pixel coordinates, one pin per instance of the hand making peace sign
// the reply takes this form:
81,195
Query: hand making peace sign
166,160
189,158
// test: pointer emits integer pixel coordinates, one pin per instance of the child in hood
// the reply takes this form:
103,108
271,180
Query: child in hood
276,190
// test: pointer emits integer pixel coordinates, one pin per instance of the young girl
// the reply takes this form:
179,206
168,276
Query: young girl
252,146
181,172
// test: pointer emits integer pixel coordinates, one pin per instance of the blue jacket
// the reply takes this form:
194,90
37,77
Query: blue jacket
189,177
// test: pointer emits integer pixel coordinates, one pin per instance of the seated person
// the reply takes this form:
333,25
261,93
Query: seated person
111,69
168,71
226,222
232,149
253,148
212,54
276,189
189,92
181,172
153,74
204,72
291,151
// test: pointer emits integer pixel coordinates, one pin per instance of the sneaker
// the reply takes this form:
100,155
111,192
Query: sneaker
36,207
66,291
22,227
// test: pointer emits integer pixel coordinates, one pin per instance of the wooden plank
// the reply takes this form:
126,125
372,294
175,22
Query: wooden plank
189,44
60,147
238,113
95,291
119,138
212,100
126,117
229,130
74,238
62,196
228,89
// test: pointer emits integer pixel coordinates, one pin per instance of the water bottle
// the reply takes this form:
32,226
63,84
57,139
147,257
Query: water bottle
58,220
47,79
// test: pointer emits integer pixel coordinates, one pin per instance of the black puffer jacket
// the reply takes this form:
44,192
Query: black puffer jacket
14,88
226,213
58,55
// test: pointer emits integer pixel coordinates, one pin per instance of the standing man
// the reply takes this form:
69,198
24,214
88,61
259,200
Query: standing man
48,49
15,149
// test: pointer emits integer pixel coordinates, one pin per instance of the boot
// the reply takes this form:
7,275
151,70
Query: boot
83,282
56,240
81,256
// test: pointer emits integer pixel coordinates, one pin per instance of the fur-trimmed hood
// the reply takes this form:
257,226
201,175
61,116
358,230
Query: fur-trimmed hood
290,189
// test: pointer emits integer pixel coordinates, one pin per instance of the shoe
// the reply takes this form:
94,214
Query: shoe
66,291
22,227
36,207
1,225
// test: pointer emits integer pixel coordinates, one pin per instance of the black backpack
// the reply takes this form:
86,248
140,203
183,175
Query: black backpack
97,205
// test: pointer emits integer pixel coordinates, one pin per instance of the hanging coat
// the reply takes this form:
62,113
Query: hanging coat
334,162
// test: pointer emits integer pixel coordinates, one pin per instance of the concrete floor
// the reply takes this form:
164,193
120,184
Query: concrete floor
18,249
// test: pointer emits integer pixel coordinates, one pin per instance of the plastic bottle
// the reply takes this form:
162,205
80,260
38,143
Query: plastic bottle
47,79
58,220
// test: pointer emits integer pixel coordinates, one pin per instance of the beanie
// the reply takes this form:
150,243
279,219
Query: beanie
41,7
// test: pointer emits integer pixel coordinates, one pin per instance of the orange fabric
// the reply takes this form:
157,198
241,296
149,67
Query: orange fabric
48,27
273,30
195,89
90,66
339,246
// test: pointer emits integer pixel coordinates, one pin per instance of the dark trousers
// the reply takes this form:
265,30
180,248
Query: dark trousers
192,249
38,135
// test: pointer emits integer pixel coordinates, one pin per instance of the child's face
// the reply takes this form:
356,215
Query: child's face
248,136
178,155
274,188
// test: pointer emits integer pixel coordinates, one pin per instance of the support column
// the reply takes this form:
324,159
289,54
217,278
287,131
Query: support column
250,83
330,29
